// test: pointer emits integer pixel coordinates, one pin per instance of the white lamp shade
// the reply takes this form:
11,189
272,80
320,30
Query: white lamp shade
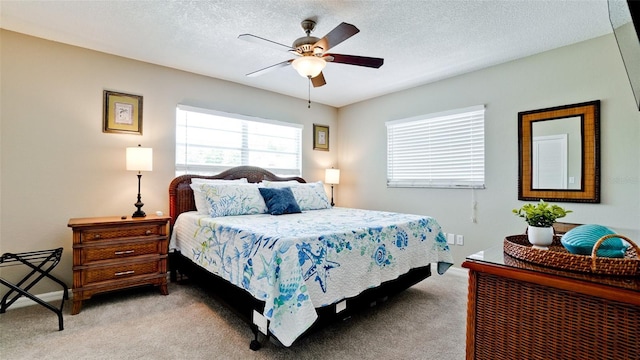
309,66
139,159
332,176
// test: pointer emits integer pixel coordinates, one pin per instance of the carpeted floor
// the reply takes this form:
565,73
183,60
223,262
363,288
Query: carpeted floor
425,322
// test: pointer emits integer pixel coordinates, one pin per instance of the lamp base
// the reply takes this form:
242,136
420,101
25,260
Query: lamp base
139,212
139,204
332,203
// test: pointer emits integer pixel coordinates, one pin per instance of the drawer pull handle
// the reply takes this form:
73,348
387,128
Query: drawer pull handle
96,236
124,273
124,252
148,232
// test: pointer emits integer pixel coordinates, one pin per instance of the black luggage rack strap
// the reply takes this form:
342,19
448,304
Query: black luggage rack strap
41,263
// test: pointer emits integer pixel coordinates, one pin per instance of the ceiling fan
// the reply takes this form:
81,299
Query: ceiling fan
312,53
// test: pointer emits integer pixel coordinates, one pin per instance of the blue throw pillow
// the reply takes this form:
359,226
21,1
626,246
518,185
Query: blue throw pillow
581,239
279,200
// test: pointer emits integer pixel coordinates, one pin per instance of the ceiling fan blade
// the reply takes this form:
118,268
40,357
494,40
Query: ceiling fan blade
259,40
339,34
269,68
318,80
355,60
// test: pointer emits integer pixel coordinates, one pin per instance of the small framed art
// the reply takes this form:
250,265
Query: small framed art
122,113
320,137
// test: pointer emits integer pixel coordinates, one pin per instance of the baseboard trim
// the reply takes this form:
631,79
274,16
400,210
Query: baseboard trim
24,301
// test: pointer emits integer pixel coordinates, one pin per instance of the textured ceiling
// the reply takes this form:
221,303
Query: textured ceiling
422,41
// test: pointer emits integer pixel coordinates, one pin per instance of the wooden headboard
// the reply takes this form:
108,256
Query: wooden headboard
181,194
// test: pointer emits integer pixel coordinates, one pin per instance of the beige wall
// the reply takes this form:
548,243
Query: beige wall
586,71
58,164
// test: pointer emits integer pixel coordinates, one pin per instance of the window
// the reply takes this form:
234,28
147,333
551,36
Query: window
208,142
437,150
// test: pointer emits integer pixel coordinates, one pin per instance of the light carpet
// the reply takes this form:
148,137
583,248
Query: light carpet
427,321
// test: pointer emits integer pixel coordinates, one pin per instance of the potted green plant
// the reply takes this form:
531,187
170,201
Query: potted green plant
540,218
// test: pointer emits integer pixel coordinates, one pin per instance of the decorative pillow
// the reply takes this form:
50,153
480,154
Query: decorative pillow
309,196
231,199
581,239
198,196
268,183
218,181
279,200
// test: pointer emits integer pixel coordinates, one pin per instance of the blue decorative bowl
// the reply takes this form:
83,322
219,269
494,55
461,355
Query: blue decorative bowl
581,239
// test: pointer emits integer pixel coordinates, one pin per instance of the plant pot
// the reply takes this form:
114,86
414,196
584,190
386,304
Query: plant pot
540,237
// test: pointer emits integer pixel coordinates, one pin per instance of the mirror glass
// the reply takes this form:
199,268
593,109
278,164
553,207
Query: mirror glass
559,153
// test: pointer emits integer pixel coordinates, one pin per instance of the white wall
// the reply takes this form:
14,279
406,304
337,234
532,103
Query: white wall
58,164
586,71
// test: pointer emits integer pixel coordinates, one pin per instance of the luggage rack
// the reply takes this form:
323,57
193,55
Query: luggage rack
41,263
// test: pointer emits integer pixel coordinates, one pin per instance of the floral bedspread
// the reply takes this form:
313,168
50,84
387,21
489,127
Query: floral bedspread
297,262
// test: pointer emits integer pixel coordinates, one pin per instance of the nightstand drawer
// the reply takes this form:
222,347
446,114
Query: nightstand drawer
119,251
118,272
121,232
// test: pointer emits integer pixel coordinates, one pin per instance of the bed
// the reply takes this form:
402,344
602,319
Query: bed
277,253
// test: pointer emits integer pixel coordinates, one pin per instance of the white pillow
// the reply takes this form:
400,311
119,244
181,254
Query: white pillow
268,183
218,181
198,196
226,199
309,196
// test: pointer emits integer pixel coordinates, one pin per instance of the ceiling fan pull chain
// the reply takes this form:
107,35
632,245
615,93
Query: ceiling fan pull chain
309,105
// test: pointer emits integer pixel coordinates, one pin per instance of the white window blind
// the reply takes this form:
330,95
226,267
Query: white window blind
444,149
209,141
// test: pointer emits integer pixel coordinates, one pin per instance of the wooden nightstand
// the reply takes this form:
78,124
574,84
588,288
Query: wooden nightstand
111,253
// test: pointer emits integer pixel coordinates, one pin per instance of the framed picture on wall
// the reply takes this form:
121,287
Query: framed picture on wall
320,137
122,113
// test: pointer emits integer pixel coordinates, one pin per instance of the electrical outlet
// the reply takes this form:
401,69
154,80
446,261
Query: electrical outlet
451,239
460,240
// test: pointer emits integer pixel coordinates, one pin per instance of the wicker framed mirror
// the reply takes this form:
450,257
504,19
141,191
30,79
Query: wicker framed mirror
559,153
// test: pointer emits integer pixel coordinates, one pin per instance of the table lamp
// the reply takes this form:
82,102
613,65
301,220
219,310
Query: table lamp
139,159
332,177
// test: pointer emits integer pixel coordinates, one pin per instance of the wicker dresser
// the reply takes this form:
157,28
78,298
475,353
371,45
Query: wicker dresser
111,253
518,310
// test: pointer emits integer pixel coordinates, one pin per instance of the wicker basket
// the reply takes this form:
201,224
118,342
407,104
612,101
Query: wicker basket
558,257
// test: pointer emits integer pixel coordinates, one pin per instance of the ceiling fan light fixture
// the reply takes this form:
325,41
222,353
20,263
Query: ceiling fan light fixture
309,66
